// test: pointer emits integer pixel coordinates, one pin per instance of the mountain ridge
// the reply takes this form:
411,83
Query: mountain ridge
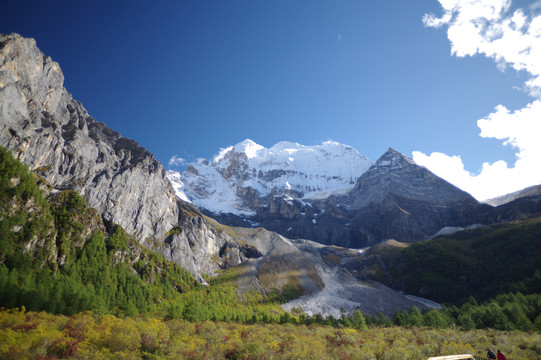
392,198
504,199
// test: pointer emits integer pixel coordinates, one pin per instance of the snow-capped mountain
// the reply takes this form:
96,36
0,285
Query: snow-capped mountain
328,193
239,177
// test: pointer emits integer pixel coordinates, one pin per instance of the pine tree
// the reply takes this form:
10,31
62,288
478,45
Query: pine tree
358,320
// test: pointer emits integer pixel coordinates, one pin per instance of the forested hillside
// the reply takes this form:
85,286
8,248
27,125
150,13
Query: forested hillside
56,254
480,263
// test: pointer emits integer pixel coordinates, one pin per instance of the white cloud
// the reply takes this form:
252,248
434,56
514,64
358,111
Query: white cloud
520,129
489,28
176,161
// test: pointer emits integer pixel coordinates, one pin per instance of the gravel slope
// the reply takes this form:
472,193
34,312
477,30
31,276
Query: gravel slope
343,291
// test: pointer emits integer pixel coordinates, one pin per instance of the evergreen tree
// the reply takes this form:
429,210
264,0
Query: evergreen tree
358,320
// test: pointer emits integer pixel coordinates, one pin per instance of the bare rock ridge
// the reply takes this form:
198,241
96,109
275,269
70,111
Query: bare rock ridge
52,134
504,199
395,173
398,199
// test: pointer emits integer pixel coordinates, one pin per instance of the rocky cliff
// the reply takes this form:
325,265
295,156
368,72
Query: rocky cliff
202,245
269,261
52,134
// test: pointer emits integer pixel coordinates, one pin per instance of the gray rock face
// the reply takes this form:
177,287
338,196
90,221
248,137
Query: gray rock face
398,199
52,134
201,245
396,174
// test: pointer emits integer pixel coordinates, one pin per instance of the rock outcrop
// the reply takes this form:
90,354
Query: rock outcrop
201,245
52,134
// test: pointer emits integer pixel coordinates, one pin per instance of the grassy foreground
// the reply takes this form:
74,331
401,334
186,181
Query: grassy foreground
33,335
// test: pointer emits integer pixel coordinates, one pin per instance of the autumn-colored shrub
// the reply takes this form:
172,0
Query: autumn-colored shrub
87,336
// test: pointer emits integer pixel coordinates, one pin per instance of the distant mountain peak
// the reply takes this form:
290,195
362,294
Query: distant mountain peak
246,147
397,174
393,159
223,184
249,147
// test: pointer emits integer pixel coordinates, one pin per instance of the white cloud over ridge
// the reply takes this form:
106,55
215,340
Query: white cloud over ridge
176,161
489,28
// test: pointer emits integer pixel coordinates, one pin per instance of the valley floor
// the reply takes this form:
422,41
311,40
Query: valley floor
31,335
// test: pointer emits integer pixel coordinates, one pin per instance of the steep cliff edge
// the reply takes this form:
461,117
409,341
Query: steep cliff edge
51,133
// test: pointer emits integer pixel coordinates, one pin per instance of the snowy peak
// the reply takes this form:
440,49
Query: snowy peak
246,147
249,148
328,159
393,160
242,174
330,156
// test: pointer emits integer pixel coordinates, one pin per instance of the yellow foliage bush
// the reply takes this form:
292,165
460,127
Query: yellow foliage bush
30,335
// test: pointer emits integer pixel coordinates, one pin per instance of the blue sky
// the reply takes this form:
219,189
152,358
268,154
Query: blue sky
186,78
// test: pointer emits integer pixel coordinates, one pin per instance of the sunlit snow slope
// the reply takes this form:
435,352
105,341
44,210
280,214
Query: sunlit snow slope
239,176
